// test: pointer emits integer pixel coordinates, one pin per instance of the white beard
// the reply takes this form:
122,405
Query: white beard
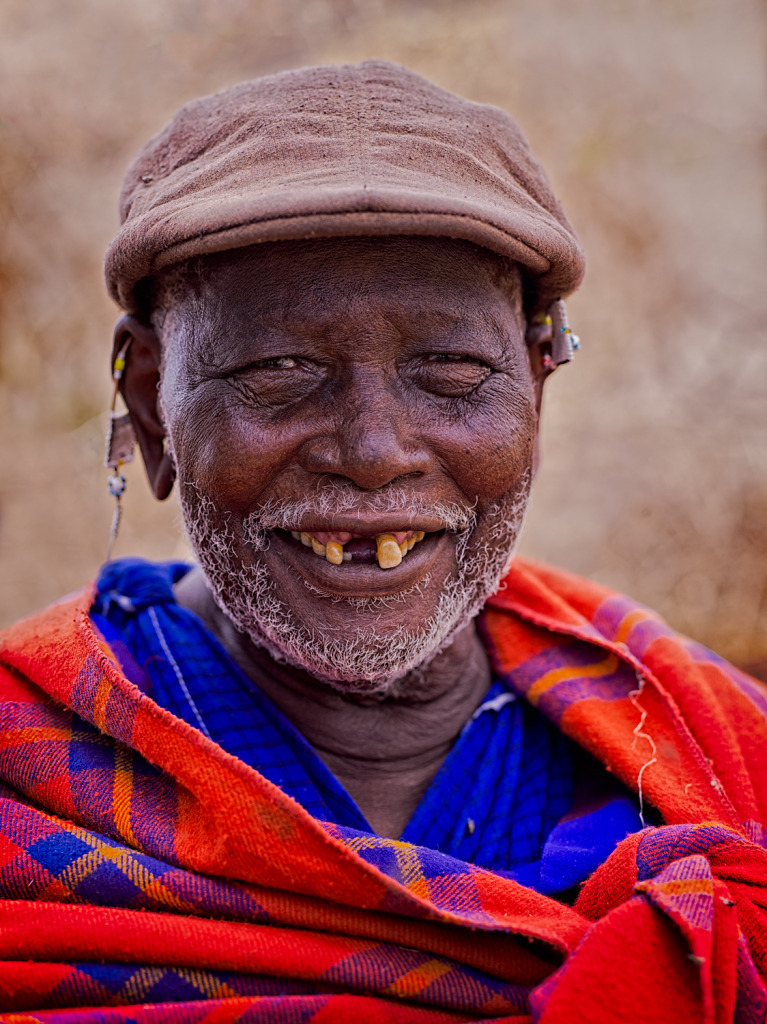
362,660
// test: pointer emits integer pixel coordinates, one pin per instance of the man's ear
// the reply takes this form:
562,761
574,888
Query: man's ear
139,387
538,340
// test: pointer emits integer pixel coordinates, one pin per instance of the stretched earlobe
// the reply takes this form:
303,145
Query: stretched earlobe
165,477
139,387
538,340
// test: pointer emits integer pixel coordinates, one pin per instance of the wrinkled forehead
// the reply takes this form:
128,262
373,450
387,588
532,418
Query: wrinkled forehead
279,279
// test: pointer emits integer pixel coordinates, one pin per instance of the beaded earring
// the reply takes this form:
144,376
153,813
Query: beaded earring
564,343
121,441
553,327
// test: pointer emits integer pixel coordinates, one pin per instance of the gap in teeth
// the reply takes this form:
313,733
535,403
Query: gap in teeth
391,548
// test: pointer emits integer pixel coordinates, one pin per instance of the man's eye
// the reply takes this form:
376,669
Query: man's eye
277,380
277,363
451,375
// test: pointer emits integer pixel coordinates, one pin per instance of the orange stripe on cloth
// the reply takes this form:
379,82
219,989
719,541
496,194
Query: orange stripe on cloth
35,734
122,793
415,981
679,886
628,622
604,667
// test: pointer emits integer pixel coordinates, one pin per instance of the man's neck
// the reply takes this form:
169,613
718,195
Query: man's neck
384,751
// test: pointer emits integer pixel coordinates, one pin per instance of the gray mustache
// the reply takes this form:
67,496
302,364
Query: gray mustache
337,500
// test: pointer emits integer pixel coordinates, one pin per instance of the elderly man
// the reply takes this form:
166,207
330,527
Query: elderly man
356,765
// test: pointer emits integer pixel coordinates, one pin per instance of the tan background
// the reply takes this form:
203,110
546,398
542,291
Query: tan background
650,118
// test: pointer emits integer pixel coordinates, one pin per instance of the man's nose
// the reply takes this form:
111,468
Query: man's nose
372,443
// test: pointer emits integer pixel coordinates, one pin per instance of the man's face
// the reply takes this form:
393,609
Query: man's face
328,405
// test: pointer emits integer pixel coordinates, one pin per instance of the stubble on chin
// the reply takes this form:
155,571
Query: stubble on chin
363,660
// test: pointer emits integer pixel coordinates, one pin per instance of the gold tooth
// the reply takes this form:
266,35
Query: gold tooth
403,548
389,554
317,548
305,539
334,552
419,535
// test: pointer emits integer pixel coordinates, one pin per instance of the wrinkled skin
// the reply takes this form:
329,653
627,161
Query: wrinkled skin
372,362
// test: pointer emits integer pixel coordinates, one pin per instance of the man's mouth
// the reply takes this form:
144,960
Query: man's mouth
337,547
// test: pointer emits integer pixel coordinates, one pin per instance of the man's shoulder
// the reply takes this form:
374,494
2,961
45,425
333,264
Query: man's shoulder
551,591
58,617
50,644
59,625
560,601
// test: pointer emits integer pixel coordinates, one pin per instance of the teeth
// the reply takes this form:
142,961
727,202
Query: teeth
389,553
334,552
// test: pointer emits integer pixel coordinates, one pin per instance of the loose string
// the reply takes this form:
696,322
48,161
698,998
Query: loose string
120,443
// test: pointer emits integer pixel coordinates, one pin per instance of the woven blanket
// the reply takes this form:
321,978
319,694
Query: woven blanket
148,876
496,800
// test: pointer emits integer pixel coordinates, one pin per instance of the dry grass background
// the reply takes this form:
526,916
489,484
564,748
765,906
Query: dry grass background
649,115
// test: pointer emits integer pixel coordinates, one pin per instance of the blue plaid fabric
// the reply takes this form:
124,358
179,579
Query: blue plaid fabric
497,801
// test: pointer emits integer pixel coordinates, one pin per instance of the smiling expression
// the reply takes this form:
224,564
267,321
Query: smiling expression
353,426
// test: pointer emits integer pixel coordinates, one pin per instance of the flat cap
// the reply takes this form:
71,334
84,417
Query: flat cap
320,152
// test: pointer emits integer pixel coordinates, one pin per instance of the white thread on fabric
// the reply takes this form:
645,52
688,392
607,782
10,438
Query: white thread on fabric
494,704
640,734
174,665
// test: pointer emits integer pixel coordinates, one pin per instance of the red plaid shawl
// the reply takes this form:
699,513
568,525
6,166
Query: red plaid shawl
148,876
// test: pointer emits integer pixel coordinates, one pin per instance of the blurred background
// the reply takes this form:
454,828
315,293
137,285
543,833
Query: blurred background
650,118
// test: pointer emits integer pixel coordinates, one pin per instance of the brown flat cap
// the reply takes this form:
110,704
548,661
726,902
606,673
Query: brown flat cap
368,149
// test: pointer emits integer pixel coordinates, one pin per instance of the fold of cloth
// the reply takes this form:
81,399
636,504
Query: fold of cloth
147,875
505,784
